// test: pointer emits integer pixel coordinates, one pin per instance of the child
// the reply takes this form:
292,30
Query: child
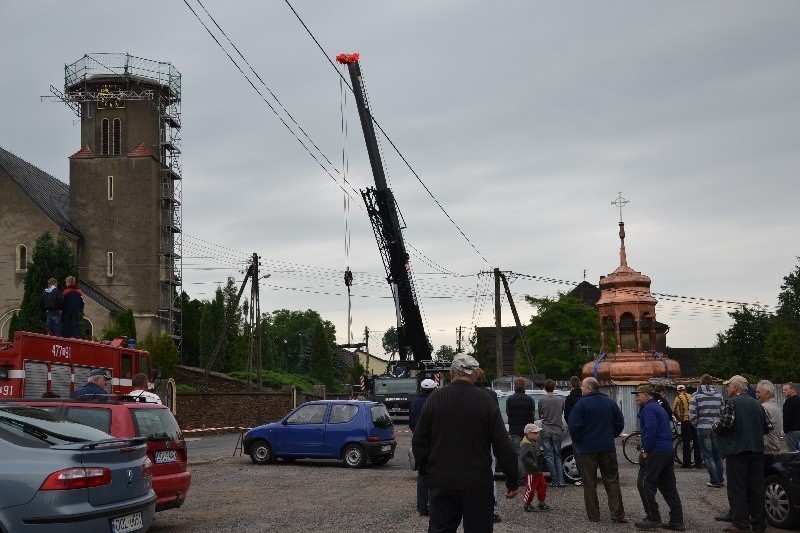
534,477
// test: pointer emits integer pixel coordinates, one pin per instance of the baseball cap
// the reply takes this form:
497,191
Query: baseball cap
466,364
681,387
531,428
100,372
739,380
647,389
428,384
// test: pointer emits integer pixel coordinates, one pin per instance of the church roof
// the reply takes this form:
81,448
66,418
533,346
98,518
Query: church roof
48,193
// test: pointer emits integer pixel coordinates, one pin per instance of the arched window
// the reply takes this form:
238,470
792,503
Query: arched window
104,137
22,258
117,142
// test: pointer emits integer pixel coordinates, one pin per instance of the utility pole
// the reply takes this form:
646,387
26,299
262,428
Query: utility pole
498,328
519,325
459,338
366,339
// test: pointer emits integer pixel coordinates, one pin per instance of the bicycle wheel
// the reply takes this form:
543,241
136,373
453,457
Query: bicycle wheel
678,450
632,446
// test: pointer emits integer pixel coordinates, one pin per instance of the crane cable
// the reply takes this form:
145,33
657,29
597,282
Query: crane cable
348,274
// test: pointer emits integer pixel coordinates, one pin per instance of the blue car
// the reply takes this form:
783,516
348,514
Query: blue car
355,432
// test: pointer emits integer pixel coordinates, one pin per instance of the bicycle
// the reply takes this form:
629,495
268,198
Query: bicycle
632,446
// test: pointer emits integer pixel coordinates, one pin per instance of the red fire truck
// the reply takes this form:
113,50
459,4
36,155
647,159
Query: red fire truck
34,363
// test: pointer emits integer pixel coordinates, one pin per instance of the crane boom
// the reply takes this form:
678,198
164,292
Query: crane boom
383,214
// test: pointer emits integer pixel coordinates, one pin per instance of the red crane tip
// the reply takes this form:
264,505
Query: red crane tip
346,59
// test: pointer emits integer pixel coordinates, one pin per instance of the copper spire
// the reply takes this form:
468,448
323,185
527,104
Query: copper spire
620,202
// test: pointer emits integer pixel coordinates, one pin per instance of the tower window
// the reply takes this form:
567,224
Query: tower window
104,137
111,187
110,264
22,258
117,139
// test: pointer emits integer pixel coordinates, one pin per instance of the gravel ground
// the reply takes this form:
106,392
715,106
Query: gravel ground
233,494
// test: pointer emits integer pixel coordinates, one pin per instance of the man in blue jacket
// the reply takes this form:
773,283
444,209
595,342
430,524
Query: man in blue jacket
594,423
656,464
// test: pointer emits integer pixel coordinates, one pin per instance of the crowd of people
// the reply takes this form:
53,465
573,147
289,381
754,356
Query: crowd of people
458,431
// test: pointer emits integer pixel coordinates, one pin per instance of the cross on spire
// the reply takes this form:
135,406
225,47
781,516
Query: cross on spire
620,202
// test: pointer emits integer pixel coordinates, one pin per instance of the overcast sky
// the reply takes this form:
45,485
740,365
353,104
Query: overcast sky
524,119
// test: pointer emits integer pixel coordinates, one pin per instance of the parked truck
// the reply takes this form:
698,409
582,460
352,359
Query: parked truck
33,363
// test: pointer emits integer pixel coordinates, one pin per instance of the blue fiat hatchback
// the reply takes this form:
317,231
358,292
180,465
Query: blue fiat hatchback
355,432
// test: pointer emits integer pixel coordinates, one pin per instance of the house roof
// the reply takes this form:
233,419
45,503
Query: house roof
141,151
48,193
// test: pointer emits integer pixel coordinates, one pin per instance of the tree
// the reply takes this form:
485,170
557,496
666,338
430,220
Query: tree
288,335
192,311
445,353
782,347
562,335
212,323
50,259
742,347
390,342
789,300
320,365
164,352
124,326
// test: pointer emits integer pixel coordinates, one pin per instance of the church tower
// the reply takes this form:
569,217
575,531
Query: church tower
632,342
125,190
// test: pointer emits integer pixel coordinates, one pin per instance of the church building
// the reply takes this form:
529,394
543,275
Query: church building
121,210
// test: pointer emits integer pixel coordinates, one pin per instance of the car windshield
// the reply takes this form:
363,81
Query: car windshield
380,416
155,424
39,426
395,386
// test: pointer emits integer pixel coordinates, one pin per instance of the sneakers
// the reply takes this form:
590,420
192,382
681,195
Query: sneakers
554,484
562,484
673,527
648,524
544,507
579,483
530,508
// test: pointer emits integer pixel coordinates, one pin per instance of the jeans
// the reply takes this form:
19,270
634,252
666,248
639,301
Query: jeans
576,453
494,486
793,441
516,440
711,455
423,499
54,323
551,443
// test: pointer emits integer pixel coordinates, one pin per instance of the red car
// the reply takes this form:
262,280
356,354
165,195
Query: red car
122,418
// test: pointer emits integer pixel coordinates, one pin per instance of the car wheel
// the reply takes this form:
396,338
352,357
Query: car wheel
778,507
570,465
381,460
261,453
354,456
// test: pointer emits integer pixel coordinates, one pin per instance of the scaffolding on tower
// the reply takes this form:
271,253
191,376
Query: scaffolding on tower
82,86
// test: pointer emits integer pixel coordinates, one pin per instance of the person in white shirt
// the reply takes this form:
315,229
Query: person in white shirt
140,385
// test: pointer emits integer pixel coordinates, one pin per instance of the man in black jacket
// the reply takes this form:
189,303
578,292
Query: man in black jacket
53,301
520,409
569,403
452,443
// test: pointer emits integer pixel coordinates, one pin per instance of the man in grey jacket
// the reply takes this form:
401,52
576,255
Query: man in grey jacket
551,411
705,409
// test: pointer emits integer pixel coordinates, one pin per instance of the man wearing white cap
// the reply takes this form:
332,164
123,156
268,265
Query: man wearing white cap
740,434
452,444
680,412
426,387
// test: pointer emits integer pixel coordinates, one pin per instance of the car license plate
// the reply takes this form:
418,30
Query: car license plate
126,524
168,456
386,448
